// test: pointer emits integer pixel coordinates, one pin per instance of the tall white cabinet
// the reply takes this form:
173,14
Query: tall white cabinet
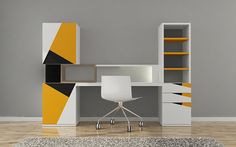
174,57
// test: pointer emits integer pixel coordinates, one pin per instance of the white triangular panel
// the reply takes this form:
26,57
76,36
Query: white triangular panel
49,33
68,116
169,97
170,87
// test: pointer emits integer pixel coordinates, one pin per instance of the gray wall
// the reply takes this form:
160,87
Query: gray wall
118,31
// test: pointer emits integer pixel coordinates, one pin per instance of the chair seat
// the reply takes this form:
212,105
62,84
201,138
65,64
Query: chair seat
123,100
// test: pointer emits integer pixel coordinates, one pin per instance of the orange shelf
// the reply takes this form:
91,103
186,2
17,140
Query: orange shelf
179,68
176,53
176,39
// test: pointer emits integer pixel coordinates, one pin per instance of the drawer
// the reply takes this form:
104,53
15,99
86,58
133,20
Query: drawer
176,114
176,88
176,97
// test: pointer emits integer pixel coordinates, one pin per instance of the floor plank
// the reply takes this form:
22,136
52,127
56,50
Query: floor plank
12,132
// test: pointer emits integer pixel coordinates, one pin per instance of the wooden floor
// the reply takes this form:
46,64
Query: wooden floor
12,132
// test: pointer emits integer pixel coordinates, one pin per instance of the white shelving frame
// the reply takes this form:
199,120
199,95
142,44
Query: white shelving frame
175,98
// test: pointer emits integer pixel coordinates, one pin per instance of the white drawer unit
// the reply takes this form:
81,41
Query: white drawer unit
176,105
176,97
176,114
177,88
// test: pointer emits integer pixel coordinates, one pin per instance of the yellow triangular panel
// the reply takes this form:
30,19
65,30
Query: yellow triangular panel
187,94
53,104
64,43
187,104
187,85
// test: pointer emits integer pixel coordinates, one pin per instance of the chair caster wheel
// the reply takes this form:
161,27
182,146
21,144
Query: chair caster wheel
140,124
128,128
98,126
112,121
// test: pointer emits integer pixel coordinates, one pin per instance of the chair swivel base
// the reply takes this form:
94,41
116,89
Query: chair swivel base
112,121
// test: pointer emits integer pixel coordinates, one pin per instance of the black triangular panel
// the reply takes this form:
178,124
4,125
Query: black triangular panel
53,58
178,103
178,93
180,84
63,88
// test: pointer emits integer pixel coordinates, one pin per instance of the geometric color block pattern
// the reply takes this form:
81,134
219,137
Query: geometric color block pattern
59,43
55,97
69,116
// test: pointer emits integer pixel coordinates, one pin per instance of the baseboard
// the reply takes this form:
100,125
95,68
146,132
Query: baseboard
196,119
12,118
213,118
119,119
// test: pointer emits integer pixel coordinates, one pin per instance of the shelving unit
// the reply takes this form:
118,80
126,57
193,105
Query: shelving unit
175,57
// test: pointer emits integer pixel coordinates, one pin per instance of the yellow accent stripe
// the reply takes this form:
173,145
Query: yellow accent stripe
176,39
187,104
53,104
64,43
177,68
187,94
176,53
187,85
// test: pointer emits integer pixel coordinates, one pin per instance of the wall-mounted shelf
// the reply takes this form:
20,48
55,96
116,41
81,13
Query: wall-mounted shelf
175,39
175,53
177,69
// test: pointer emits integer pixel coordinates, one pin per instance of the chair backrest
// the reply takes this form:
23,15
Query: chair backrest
116,88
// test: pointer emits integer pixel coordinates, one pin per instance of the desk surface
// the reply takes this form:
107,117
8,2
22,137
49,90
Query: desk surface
133,84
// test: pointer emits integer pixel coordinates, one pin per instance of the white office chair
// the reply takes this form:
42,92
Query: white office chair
118,89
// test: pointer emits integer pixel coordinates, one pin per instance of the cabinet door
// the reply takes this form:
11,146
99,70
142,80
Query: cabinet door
59,104
60,45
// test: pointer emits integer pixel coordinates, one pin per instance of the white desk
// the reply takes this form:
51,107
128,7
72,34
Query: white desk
82,84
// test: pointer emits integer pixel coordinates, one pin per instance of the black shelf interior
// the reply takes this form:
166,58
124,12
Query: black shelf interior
53,73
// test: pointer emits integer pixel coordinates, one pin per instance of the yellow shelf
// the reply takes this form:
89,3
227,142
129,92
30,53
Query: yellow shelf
176,39
176,53
179,68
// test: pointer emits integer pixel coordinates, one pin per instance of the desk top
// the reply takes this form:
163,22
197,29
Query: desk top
133,84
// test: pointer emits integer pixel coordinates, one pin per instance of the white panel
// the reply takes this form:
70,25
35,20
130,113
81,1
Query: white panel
68,116
174,88
174,114
156,76
161,51
169,97
137,73
49,33
77,104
